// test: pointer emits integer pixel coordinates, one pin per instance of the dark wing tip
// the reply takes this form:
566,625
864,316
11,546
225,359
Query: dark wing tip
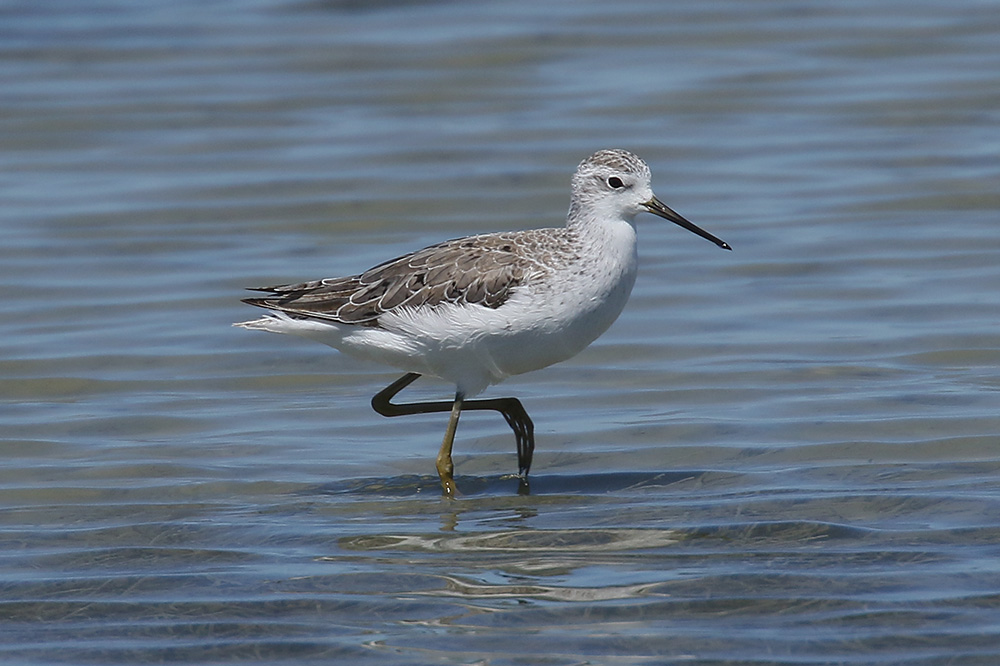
259,302
273,289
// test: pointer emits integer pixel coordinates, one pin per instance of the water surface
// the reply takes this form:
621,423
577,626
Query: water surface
784,454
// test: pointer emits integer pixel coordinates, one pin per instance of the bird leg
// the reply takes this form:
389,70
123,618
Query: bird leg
510,408
444,465
517,418
382,403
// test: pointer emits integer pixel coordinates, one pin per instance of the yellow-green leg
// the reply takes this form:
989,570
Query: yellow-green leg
445,467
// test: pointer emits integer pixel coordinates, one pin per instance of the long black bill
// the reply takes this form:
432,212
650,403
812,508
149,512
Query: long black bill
657,207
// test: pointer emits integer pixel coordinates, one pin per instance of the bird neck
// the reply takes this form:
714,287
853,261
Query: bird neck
590,220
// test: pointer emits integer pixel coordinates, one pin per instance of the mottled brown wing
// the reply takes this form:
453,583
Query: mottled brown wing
479,270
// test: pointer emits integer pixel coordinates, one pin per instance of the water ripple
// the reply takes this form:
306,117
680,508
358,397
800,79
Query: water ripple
786,454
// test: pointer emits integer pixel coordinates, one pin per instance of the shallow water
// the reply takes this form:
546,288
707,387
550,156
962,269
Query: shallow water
784,454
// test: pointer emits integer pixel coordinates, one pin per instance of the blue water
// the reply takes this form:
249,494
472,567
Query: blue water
787,454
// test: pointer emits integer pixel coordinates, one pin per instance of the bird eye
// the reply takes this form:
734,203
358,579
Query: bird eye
615,183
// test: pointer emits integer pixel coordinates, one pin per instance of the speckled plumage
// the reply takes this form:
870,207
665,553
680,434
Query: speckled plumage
475,270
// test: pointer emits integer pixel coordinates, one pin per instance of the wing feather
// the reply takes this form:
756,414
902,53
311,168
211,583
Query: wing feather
477,270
